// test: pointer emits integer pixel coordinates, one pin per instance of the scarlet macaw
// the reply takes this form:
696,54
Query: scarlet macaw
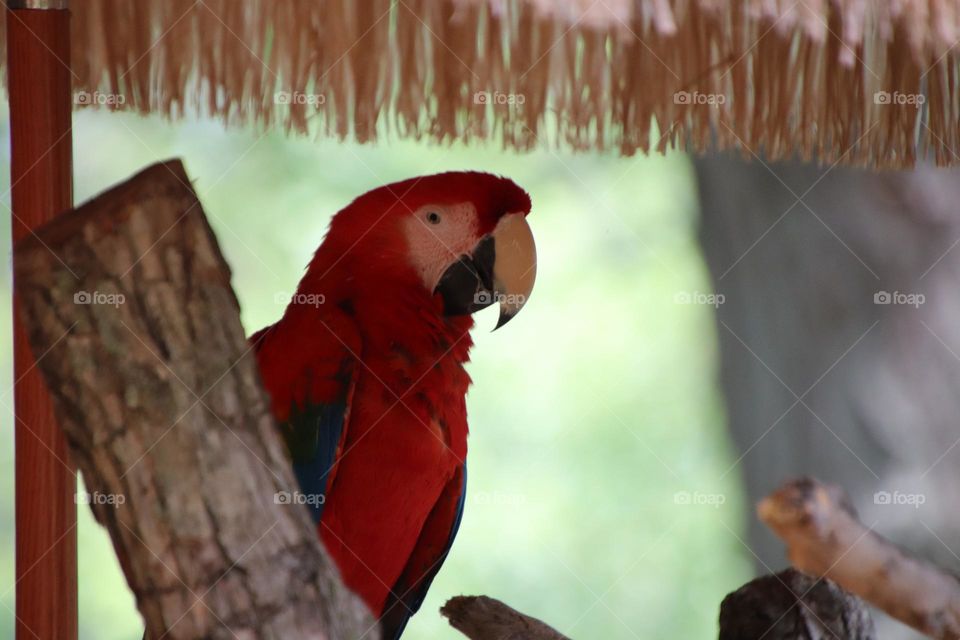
366,372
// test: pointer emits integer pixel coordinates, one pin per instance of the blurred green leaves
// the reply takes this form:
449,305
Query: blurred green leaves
589,412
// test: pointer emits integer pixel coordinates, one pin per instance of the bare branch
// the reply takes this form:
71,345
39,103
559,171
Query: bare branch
824,538
483,618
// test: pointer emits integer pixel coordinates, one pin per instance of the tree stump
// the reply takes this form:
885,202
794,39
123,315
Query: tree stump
128,305
792,606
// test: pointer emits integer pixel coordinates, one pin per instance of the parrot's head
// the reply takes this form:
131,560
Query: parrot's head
462,236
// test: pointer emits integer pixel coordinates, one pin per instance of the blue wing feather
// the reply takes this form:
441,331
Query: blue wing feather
311,384
316,432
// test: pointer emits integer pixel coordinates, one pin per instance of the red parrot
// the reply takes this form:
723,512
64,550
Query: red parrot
366,372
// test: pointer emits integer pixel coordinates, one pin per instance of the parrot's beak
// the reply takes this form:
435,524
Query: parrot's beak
502,268
514,266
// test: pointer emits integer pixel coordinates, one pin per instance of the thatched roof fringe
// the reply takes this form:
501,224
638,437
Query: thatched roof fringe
846,80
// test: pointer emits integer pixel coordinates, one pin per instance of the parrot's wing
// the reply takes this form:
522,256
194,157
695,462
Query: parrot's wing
311,385
434,543
315,437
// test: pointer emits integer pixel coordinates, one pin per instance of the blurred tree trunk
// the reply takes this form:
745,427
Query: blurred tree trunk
839,339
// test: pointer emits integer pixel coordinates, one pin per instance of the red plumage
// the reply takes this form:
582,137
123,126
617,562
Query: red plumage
377,340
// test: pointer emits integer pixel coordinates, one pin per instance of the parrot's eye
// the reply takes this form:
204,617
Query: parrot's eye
433,217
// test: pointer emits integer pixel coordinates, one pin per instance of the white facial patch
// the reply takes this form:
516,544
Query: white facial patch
438,235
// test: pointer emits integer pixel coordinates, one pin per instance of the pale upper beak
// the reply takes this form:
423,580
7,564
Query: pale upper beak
502,268
515,265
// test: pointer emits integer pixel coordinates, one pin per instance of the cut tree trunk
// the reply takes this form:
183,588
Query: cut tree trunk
128,300
818,305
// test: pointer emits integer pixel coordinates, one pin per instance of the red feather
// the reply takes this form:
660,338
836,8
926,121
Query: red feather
379,329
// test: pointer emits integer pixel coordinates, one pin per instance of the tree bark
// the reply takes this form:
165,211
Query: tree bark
484,618
819,378
128,303
792,606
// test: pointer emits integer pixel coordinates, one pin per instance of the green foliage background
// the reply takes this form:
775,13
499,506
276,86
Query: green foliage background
594,414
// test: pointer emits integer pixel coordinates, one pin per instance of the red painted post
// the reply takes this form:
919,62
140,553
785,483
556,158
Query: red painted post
40,94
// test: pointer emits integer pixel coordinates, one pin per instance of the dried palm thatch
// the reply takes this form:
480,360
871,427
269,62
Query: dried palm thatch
856,81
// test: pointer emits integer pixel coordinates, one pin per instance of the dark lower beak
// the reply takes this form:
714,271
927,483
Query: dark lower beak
467,285
502,268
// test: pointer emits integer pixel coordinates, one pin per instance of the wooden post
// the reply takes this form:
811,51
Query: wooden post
38,64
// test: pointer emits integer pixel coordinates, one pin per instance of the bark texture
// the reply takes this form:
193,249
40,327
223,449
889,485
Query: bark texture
824,538
825,373
128,304
792,606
